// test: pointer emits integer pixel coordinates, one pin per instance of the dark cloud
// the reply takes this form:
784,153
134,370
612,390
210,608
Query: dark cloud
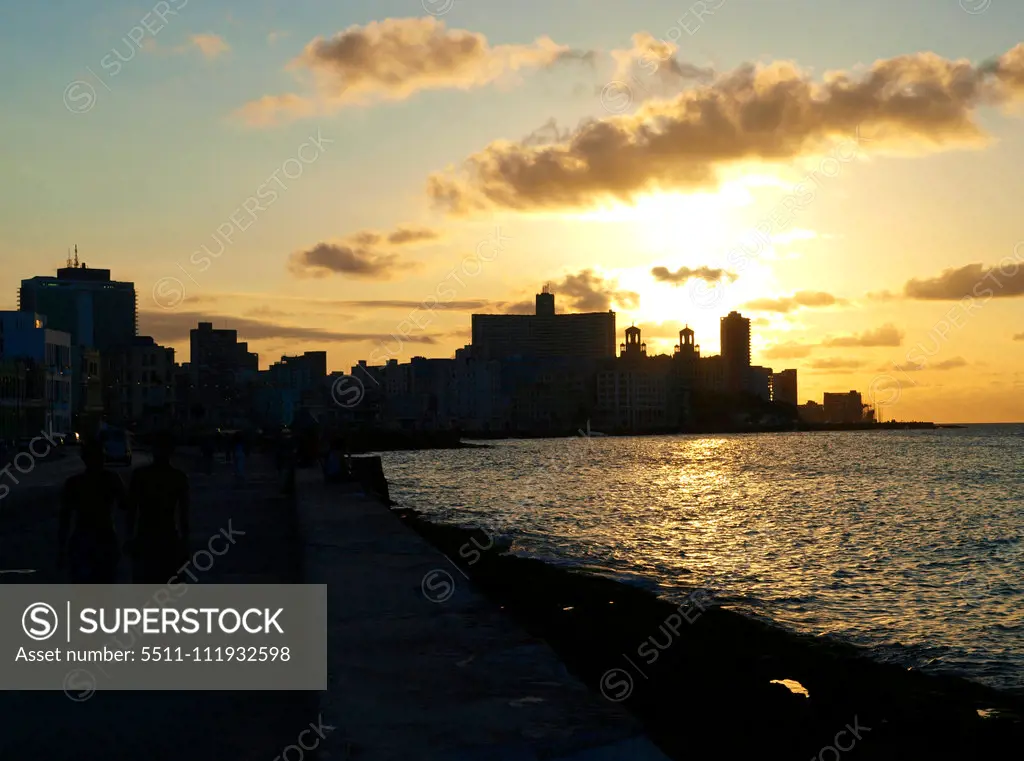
590,292
399,237
1018,337
773,112
970,280
796,301
325,259
887,335
681,275
168,326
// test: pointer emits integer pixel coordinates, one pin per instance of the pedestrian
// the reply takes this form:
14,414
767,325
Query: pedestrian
158,521
87,539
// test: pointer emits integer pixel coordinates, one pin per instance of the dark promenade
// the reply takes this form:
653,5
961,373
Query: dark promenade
422,667
158,726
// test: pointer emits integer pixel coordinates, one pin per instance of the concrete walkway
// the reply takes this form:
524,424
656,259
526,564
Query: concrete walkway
168,726
450,678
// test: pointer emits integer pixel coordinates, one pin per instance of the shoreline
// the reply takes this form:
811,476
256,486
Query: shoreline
697,671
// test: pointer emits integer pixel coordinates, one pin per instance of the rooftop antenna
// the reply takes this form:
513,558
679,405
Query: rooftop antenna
76,254
69,257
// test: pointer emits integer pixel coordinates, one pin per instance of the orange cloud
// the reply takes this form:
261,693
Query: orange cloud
757,112
391,60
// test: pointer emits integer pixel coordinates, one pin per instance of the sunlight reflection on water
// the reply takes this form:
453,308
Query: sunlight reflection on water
908,542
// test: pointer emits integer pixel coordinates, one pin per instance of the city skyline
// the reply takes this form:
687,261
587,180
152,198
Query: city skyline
856,280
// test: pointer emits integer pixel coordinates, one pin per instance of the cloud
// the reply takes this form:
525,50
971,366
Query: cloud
210,45
681,275
274,36
274,109
549,132
887,335
590,292
1018,337
970,280
327,258
797,300
835,363
393,59
359,255
171,327
464,305
401,236
517,307
946,364
660,72
772,112
788,350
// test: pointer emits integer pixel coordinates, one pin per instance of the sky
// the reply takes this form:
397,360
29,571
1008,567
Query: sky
360,177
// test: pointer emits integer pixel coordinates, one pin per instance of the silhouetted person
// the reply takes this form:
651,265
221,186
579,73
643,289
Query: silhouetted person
87,536
158,519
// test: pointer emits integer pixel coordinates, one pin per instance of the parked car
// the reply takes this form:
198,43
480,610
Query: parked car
117,447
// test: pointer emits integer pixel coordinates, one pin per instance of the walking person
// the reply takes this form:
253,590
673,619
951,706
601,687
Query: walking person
87,539
158,517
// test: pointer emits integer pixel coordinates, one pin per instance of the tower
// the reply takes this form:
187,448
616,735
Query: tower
545,303
634,348
686,348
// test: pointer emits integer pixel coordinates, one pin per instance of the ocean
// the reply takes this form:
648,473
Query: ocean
907,543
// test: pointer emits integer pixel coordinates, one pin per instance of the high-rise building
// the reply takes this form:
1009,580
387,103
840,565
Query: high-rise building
544,334
784,388
736,352
85,303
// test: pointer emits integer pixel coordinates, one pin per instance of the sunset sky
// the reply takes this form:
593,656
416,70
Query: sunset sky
844,174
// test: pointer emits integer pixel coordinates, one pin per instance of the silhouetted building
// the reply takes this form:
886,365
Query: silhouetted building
86,390
736,352
26,336
139,386
85,303
16,420
812,412
784,388
544,334
759,382
844,408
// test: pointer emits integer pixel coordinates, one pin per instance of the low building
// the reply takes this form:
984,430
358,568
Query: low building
24,336
784,388
844,408
139,386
